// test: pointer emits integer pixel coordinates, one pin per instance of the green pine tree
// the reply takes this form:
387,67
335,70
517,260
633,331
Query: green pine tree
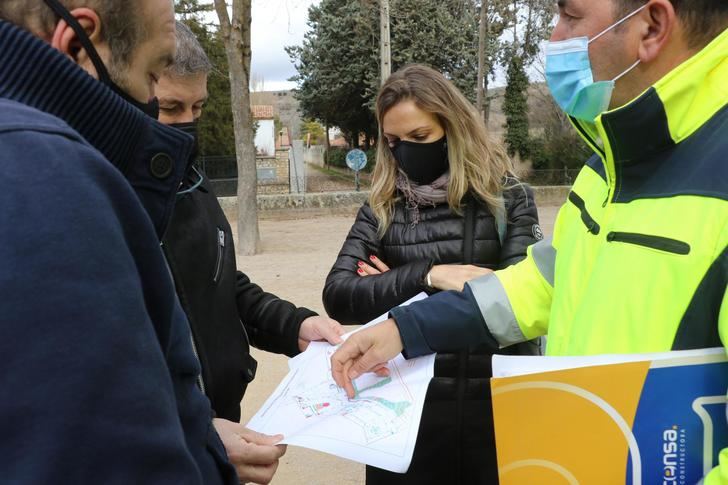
338,63
515,108
216,136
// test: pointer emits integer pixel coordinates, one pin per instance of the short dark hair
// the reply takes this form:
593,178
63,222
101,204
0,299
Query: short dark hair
704,20
120,23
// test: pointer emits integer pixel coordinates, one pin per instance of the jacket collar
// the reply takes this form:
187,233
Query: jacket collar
152,156
664,115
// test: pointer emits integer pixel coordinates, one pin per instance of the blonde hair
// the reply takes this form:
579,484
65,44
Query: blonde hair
478,163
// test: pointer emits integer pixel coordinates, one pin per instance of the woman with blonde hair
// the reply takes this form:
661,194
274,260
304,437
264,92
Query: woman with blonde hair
444,209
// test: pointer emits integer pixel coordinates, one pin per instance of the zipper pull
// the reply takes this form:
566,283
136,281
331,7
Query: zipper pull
221,238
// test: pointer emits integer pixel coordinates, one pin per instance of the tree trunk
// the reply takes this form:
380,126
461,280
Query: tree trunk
482,61
236,34
529,29
486,101
327,145
385,46
515,25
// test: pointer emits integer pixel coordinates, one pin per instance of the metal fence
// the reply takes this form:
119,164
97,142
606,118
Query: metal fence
223,173
218,168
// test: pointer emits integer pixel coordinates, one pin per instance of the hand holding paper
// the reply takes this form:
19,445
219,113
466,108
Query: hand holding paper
317,329
254,455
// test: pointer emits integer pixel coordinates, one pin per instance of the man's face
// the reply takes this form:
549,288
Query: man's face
181,98
153,55
613,52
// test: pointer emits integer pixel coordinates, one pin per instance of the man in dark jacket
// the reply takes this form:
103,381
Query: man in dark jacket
99,377
215,296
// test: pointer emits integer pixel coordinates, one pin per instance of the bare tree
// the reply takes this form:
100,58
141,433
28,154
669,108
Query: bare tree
327,143
483,70
235,31
385,45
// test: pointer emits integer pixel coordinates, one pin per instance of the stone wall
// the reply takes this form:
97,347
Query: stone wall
551,196
329,200
545,197
273,173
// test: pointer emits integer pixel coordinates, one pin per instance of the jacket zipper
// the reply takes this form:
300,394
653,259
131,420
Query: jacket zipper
589,140
591,225
653,242
200,381
220,252
463,359
597,149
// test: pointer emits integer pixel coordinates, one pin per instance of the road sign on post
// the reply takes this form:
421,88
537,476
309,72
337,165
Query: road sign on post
356,160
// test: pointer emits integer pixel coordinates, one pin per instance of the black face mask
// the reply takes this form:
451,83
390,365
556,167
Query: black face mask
423,163
191,129
150,109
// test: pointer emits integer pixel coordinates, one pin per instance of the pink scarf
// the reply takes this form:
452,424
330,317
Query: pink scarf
417,196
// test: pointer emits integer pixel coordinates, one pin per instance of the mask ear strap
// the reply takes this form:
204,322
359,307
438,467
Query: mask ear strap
619,22
88,46
629,69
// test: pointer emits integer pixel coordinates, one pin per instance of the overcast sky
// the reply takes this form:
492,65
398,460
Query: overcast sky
280,23
277,24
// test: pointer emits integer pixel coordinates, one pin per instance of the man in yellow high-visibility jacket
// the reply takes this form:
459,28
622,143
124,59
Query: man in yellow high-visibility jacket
639,257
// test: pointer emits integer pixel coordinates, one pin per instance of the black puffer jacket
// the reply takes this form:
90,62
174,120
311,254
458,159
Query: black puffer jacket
455,444
217,298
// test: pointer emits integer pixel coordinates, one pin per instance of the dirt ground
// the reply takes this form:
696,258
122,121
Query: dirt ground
298,249
319,181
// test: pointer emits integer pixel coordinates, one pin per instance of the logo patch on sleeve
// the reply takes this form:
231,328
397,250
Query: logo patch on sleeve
537,232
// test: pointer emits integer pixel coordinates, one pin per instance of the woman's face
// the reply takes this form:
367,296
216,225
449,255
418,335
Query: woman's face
405,121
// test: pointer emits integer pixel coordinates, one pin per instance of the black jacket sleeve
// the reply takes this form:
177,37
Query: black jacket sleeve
352,299
272,324
522,229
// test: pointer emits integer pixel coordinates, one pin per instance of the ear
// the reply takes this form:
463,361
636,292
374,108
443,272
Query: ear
658,21
64,38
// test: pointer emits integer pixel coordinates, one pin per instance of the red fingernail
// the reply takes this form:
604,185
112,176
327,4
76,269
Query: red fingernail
360,264
360,271
373,258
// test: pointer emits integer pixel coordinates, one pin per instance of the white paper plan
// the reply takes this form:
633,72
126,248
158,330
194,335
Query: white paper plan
377,427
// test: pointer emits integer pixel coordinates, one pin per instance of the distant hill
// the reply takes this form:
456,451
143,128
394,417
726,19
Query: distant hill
539,103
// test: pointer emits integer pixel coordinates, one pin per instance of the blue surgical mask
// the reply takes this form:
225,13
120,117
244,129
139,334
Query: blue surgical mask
570,78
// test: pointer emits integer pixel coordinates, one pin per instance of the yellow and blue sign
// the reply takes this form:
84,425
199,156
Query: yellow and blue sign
637,423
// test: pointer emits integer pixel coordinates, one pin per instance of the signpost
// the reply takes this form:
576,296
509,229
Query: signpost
356,160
